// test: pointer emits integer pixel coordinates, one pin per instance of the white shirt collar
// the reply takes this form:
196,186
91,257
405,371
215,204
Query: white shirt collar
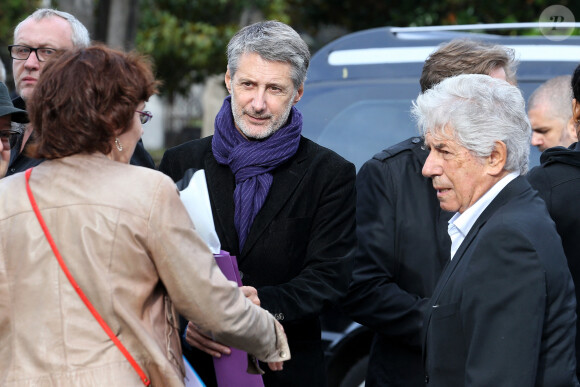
463,222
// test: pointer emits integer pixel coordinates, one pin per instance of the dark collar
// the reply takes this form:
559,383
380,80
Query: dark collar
221,184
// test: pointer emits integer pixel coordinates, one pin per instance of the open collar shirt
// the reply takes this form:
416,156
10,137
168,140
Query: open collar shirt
461,223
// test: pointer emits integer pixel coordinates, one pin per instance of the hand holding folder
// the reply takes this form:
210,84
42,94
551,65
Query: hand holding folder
230,370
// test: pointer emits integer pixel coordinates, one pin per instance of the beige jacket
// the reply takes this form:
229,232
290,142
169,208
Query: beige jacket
128,241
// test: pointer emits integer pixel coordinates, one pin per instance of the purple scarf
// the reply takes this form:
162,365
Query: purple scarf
252,161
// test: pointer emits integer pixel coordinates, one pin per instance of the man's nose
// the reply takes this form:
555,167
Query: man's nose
32,63
431,167
259,100
537,139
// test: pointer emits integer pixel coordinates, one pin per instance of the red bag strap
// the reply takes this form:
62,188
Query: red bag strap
81,294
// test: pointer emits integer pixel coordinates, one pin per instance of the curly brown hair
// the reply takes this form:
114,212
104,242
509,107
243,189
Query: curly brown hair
85,98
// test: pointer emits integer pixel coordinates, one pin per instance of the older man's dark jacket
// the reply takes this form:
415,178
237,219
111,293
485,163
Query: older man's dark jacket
503,312
403,247
557,180
19,162
298,253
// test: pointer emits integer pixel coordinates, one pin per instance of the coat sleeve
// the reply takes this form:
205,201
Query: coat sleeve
198,288
141,157
325,273
169,165
374,297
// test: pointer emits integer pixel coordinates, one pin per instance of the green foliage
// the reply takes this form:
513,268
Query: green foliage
187,39
354,15
11,13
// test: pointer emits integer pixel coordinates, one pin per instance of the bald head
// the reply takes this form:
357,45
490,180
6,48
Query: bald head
550,113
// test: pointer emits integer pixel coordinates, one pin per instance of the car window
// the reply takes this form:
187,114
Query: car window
366,127
358,119
359,88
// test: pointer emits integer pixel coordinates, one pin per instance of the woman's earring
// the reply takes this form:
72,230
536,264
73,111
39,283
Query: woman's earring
118,144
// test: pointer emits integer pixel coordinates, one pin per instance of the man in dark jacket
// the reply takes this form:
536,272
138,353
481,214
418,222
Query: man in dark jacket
503,311
283,205
557,180
36,39
402,232
8,116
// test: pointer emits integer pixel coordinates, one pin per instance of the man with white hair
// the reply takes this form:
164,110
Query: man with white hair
503,311
403,244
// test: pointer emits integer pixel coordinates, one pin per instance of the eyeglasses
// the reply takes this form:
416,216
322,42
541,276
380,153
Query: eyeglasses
145,116
23,52
9,138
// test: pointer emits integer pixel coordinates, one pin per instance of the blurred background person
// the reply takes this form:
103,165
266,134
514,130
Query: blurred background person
550,113
557,180
124,235
38,38
8,114
2,72
403,244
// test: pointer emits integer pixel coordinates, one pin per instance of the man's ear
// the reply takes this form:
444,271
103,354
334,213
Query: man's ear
576,116
571,129
228,81
497,159
298,94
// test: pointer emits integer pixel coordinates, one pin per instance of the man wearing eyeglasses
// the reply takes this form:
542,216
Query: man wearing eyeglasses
38,38
8,114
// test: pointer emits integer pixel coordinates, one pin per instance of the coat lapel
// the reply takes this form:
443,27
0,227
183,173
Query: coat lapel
514,188
221,184
285,181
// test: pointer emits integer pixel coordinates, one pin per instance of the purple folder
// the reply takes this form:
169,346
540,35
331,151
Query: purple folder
230,370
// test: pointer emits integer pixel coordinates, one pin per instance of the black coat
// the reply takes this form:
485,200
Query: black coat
298,253
403,247
503,312
557,180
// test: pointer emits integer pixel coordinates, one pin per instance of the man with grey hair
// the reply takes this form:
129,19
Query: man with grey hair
550,113
283,205
403,244
38,38
503,310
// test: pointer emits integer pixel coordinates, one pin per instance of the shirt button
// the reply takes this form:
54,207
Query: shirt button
426,378
283,354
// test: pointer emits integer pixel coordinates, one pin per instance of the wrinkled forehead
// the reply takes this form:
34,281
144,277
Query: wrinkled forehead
440,133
